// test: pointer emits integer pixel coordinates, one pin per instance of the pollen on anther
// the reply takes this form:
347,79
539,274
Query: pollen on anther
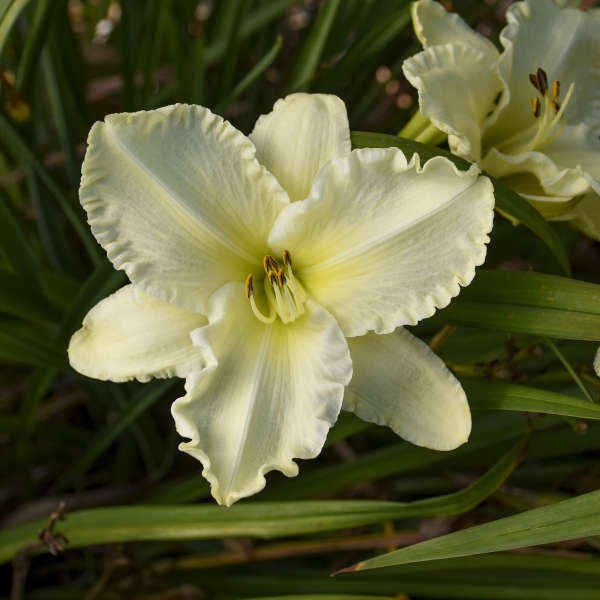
534,81
542,80
535,106
272,277
281,278
555,106
287,258
555,89
249,285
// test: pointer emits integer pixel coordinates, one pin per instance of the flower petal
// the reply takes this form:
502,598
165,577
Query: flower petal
562,41
434,26
131,335
585,216
399,382
597,362
178,200
555,180
457,86
269,396
300,135
382,243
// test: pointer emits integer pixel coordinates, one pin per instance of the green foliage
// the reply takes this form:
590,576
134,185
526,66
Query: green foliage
138,517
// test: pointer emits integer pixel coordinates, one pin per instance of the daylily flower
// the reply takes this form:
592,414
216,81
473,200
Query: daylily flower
529,114
251,262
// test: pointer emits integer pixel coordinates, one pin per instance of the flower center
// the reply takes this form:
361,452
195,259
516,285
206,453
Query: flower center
284,293
548,116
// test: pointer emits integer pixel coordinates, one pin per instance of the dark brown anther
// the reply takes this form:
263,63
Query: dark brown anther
249,285
534,81
555,106
287,258
536,107
542,80
555,89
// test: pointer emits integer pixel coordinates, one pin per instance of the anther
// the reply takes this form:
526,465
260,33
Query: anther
555,89
534,81
281,278
270,264
555,105
535,106
272,276
542,80
287,258
249,286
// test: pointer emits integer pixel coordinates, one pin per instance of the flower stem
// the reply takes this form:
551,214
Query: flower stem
414,127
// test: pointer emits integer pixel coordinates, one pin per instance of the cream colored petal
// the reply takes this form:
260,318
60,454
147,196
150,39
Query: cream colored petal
399,382
565,42
381,242
434,26
554,179
270,395
457,86
300,135
131,335
585,215
597,362
178,200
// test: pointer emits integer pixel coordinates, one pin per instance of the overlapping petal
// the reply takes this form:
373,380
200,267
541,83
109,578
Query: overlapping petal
301,134
269,395
178,200
132,335
381,242
434,26
399,382
562,41
457,85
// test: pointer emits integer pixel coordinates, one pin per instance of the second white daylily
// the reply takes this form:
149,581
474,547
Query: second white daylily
529,114
247,281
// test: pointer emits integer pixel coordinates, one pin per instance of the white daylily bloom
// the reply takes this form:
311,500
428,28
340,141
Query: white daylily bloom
247,281
529,114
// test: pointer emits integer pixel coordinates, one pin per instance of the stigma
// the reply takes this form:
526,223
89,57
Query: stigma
284,293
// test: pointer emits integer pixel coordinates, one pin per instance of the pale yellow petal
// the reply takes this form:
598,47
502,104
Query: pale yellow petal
381,242
399,382
131,335
434,26
457,87
178,200
301,134
270,395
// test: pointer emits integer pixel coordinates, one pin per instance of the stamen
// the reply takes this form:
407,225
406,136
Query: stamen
287,258
555,106
535,106
534,81
281,278
267,319
249,286
555,89
542,80
270,264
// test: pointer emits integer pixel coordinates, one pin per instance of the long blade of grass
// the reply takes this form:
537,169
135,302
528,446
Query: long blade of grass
9,16
18,298
36,38
492,395
567,520
373,42
19,149
262,520
508,203
15,248
308,60
527,302
140,402
259,68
